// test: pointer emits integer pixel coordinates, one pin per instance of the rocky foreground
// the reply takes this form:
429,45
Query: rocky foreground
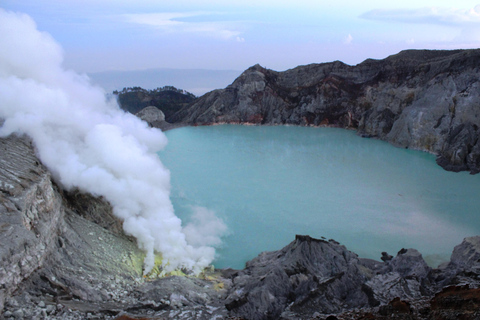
63,256
420,99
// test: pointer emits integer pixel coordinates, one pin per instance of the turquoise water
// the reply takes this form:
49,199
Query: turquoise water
270,183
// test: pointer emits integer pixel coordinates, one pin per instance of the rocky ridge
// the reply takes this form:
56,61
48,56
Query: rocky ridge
420,99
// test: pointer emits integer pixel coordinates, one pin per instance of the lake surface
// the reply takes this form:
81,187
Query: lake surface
269,183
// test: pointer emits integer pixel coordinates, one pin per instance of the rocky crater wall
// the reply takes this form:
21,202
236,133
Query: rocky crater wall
419,99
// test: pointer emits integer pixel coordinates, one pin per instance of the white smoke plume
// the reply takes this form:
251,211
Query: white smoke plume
204,228
87,142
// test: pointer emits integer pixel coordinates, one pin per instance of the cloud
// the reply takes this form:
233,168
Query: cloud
88,142
348,39
155,19
428,15
174,22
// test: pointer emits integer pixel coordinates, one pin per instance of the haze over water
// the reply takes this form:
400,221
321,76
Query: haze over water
271,183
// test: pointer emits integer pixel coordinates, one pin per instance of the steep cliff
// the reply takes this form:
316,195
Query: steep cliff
419,99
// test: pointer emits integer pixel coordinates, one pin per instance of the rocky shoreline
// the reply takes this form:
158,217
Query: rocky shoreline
64,256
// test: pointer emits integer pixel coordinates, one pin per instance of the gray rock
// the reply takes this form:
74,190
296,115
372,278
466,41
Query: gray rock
94,209
18,314
386,257
409,263
307,276
467,254
2,299
47,244
151,114
50,308
155,118
405,276
30,212
458,152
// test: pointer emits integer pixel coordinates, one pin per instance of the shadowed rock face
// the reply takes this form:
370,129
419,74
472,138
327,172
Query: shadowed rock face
419,99
168,99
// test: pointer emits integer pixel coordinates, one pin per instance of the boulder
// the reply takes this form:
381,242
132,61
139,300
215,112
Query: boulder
405,276
155,118
151,114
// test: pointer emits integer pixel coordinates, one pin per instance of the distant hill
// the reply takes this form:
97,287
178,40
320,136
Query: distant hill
196,81
168,99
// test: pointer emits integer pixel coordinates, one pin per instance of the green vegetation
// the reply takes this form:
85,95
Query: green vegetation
168,99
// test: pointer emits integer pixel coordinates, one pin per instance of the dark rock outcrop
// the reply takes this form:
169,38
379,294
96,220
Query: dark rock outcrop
419,99
312,278
307,276
456,302
168,99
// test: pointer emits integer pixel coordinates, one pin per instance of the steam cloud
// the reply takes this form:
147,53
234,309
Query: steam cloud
87,142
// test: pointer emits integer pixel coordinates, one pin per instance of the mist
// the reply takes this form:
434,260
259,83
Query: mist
88,143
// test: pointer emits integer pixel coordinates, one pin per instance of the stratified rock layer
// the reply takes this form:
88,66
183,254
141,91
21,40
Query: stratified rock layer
30,211
419,99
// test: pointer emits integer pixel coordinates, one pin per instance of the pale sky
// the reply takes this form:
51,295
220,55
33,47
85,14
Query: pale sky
101,35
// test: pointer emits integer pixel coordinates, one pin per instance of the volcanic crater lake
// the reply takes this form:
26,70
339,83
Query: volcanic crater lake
269,183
